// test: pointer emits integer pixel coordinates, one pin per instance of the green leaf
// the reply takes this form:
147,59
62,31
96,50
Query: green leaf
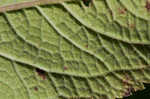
65,50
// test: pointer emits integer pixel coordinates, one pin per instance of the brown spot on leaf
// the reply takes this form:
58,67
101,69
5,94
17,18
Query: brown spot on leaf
35,88
126,79
65,67
86,46
128,87
122,11
128,92
111,13
147,6
132,26
41,73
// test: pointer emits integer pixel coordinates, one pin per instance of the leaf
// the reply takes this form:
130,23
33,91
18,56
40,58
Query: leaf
64,50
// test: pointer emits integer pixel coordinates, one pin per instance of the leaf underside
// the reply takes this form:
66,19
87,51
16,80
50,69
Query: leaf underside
64,50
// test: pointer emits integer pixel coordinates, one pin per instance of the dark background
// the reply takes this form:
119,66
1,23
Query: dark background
144,94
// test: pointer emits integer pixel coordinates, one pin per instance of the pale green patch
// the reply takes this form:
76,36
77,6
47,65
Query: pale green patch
8,2
101,51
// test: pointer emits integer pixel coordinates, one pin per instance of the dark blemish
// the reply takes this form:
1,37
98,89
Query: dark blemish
128,92
125,81
65,67
127,76
87,2
86,46
111,13
35,88
129,89
147,6
41,73
132,26
122,11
